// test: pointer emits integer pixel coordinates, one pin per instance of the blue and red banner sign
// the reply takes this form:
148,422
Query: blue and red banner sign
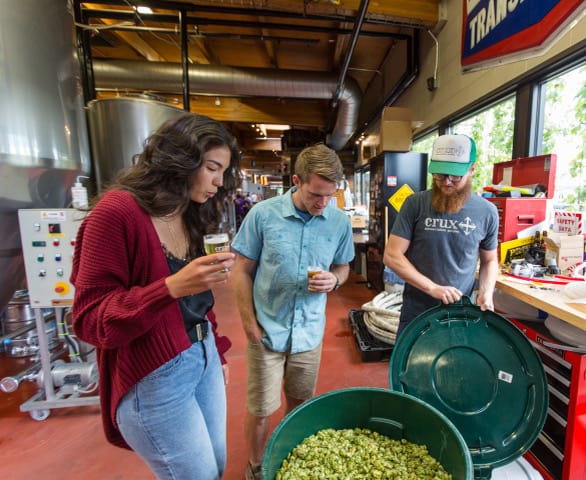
494,31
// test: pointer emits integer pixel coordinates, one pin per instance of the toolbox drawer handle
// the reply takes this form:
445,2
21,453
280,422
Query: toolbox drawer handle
526,219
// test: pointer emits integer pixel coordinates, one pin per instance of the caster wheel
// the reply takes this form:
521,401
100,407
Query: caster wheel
39,415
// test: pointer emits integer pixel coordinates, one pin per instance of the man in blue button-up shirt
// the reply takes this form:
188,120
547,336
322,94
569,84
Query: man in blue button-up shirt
283,313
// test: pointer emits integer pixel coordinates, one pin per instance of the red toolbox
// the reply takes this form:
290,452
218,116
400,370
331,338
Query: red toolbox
559,453
516,214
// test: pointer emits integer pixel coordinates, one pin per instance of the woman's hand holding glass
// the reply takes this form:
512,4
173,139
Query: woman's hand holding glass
201,274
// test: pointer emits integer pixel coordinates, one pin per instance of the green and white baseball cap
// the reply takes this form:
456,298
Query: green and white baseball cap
452,155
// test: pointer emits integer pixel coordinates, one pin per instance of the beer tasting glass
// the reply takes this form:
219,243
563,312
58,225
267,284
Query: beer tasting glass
216,243
311,271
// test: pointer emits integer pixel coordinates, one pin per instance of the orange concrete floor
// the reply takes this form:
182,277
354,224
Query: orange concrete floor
70,444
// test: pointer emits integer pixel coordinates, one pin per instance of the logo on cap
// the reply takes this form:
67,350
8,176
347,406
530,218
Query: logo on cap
452,155
459,153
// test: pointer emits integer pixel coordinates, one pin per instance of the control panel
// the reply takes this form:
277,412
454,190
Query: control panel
48,241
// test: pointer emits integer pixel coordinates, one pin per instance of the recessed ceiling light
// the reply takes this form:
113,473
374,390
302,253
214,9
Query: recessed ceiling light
276,127
142,9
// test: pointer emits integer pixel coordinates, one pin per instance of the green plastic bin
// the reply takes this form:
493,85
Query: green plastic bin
394,414
481,372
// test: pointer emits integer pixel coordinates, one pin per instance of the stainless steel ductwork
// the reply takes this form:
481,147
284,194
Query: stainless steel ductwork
254,82
43,132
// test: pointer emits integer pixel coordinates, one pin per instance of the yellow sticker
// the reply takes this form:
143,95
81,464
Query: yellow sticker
399,197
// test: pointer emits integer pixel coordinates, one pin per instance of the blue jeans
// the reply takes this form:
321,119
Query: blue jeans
175,417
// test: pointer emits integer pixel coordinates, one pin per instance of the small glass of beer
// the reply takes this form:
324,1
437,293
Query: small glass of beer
216,243
311,271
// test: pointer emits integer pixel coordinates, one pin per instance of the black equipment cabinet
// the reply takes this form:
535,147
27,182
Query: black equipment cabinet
393,175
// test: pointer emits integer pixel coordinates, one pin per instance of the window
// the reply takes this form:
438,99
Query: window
424,145
492,130
564,133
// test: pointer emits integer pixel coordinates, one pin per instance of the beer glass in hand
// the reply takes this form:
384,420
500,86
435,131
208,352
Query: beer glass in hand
311,271
216,243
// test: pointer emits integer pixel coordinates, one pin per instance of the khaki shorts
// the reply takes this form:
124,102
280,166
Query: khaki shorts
268,370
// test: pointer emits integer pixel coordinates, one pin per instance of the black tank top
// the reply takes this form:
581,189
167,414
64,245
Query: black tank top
193,307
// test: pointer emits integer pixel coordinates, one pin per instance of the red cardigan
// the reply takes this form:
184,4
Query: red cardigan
122,305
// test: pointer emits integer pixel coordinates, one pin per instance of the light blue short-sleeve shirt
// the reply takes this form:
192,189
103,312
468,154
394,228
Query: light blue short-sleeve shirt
275,236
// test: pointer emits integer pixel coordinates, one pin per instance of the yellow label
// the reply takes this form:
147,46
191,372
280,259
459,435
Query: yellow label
517,248
399,197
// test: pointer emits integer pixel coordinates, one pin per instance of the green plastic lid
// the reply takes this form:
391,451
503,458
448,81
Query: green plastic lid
481,372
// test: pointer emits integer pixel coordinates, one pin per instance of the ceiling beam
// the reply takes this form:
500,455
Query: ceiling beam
263,110
270,48
284,111
414,13
136,42
323,27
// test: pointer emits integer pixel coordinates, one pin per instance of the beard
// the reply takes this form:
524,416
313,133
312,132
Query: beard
453,202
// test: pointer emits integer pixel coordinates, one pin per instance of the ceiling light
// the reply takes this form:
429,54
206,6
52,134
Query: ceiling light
276,127
142,9
217,103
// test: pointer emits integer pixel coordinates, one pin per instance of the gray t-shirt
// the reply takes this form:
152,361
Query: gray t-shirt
444,247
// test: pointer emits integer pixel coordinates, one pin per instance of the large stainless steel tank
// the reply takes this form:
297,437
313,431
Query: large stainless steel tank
118,128
43,132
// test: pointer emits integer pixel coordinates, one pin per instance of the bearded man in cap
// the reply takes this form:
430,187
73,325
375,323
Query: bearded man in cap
440,234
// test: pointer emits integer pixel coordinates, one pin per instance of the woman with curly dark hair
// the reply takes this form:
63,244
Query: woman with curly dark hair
143,289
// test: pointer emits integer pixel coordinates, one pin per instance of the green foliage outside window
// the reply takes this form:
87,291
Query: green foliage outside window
564,133
424,145
492,130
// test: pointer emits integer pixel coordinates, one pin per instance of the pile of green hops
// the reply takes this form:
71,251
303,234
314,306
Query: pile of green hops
359,453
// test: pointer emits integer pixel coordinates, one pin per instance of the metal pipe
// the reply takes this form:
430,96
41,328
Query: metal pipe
126,15
85,59
16,333
257,12
353,40
10,383
407,79
173,31
184,59
222,80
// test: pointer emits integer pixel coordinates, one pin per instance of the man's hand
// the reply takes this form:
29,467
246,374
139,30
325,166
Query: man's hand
446,294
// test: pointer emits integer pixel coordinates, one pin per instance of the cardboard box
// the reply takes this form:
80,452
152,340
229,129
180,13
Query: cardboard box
339,196
358,221
568,250
570,223
396,132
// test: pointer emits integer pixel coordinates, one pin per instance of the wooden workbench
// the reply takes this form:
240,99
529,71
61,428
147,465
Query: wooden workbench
550,299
